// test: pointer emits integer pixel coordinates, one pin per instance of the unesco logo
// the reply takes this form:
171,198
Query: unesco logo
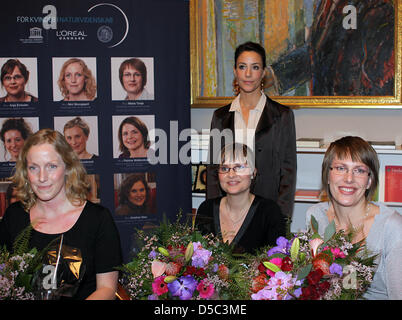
105,34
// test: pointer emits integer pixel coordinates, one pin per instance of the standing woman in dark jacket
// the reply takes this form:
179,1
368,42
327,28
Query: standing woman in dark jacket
266,126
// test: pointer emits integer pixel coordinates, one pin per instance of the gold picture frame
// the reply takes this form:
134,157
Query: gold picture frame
201,100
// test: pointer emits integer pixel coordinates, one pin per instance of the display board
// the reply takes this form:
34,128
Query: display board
111,77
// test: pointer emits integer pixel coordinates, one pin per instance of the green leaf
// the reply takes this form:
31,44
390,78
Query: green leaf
294,249
271,266
304,272
314,224
330,230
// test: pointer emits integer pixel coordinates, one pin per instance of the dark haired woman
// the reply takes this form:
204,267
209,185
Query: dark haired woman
134,196
133,138
14,77
266,126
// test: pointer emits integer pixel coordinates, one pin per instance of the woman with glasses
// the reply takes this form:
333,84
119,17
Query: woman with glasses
133,78
14,77
245,220
350,179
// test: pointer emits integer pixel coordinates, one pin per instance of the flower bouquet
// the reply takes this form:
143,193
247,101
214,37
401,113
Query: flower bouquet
177,262
18,269
310,267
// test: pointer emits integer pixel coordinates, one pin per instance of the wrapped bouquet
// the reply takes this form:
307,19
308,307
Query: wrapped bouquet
177,262
310,267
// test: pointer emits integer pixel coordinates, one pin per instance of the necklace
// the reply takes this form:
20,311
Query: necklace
242,215
355,228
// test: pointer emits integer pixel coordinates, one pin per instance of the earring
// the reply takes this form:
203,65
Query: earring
236,88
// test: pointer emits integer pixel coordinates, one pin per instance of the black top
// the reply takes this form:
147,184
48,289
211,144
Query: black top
94,233
263,224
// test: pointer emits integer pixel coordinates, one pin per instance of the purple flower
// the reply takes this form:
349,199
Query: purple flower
283,246
152,255
200,256
2,266
153,297
183,287
335,269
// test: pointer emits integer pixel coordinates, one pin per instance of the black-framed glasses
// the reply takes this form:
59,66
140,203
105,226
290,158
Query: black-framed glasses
16,77
357,172
239,168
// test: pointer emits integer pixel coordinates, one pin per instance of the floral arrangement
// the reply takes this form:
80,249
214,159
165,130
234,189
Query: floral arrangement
18,269
177,262
310,267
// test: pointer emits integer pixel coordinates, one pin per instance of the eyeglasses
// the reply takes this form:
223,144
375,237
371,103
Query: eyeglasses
357,172
237,169
17,77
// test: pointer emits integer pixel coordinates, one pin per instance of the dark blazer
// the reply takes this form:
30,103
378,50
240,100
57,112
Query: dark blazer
275,153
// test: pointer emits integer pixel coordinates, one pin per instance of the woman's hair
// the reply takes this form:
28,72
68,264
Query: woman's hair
136,122
359,150
251,46
77,122
238,152
18,124
128,183
136,64
90,82
9,66
75,179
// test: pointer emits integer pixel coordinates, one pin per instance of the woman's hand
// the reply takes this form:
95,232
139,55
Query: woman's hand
106,286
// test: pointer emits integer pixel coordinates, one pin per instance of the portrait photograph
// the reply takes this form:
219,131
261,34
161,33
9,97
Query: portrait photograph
74,79
133,135
81,132
135,193
13,133
132,78
19,80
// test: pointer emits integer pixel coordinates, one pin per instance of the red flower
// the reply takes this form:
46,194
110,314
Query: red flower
323,287
322,261
223,272
193,271
310,293
314,276
287,264
258,283
261,268
173,268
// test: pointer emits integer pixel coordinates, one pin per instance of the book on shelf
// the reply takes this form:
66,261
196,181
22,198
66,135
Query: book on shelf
308,194
309,142
393,184
383,144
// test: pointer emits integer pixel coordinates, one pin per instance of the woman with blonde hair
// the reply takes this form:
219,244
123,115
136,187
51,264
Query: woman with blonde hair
52,191
76,81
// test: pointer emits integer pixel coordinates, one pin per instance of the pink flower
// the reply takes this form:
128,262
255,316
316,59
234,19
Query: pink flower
159,286
276,261
158,268
205,289
338,253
